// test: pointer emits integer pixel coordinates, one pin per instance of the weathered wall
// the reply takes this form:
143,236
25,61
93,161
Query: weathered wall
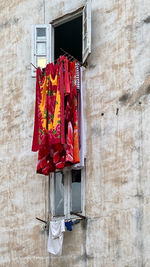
117,87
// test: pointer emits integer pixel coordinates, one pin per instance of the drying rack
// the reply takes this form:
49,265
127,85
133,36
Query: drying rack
71,212
69,56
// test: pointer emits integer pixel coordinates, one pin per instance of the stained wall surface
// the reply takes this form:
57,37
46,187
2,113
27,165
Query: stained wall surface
117,98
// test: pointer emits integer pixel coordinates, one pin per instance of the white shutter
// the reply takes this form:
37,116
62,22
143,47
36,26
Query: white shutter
41,48
86,31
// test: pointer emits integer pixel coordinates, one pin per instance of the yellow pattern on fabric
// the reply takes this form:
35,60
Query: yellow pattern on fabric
53,81
56,120
57,111
42,104
57,105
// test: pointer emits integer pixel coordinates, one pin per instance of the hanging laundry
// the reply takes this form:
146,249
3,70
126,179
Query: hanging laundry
55,238
75,114
81,128
57,135
69,225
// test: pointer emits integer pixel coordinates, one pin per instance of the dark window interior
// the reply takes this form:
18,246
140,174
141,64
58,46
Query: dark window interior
68,36
76,176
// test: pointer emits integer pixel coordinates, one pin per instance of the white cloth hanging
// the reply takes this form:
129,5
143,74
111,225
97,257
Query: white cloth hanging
55,238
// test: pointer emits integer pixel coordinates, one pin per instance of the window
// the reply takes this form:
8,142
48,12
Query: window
40,46
69,37
67,193
72,33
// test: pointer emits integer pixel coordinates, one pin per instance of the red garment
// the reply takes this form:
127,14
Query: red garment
61,88
67,82
56,119
35,142
69,150
76,155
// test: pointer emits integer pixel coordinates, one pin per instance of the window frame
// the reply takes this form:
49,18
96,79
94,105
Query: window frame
67,195
50,58
86,31
47,40
59,21
86,34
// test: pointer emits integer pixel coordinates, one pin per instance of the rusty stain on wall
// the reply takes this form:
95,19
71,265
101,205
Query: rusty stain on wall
9,22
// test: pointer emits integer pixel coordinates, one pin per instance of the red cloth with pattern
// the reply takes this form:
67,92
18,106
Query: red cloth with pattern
56,119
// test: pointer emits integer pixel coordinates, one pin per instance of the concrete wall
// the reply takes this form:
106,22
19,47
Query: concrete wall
117,88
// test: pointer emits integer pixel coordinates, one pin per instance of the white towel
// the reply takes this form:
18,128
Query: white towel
55,238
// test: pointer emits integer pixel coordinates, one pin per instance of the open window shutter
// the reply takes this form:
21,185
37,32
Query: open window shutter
86,31
41,48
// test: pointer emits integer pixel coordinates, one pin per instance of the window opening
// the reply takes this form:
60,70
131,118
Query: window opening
68,36
71,32
59,194
76,190
67,193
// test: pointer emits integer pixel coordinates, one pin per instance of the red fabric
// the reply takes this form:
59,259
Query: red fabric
76,150
61,88
56,135
69,151
67,82
35,143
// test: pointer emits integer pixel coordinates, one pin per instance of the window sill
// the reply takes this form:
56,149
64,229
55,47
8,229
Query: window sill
71,217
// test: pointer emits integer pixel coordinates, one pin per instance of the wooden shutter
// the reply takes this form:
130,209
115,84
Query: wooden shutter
86,31
41,48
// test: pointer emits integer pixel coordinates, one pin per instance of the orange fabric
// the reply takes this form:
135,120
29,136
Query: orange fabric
56,121
76,150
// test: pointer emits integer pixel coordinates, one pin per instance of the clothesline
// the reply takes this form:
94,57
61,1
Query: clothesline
77,214
72,213
68,55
